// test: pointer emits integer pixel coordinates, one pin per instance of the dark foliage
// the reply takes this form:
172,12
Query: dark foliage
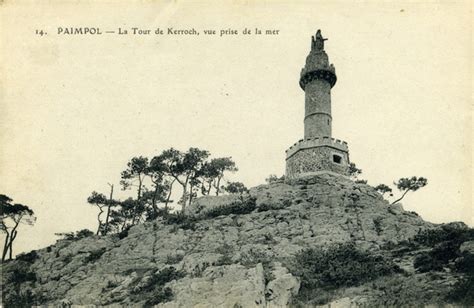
273,206
245,206
94,255
173,259
462,292
124,233
13,294
154,289
29,257
164,276
425,262
77,236
20,275
340,265
445,242
161,295
449,232
22,299
184,221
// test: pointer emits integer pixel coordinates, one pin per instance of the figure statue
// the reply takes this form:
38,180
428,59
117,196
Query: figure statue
318,41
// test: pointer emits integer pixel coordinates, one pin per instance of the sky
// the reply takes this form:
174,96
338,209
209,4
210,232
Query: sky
76,108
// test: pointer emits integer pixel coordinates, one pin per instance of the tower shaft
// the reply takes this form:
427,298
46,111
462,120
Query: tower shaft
317,120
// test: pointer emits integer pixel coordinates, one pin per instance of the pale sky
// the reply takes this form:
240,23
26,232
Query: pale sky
75,109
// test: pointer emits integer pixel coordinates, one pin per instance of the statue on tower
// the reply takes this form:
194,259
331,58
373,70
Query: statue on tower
317,41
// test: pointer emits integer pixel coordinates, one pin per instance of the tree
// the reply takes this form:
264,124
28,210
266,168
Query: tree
126,214
137,170
111,202
185,168
409,184
383,189
236,188
162,166
100,201
213,172
134,175
353,171
11,216
161,191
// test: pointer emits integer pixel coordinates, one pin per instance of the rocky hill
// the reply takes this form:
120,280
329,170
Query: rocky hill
316,241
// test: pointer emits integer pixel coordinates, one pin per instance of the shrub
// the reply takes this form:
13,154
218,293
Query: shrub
449,232
21,299
166,275
15,279
94,255
253,257
273,206
462,290
173,259
160,296
153,289
67,259
124,233
244,206
29,257
84,233
20,275
378,225
340,265
184,221
445,242
226,252
159,279
77,236
425,262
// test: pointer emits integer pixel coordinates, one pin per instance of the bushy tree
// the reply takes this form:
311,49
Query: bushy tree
353,171
134,175
185,168
212,173
383,189
11,216
162,183
236,188
409,184
273,178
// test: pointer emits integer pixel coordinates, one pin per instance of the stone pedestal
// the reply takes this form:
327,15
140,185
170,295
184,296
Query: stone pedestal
316,156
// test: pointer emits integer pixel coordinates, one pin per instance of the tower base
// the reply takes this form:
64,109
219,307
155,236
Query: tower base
317,155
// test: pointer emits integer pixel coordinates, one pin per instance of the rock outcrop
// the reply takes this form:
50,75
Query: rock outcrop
235,260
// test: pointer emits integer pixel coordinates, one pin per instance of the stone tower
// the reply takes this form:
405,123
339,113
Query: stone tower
318,152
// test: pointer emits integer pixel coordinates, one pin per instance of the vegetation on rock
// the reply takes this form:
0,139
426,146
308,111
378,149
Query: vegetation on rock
335,266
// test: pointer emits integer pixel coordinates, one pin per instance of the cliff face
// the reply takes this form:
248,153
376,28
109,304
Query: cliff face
243,258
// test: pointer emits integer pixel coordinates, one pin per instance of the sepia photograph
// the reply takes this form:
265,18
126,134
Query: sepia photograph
236,154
